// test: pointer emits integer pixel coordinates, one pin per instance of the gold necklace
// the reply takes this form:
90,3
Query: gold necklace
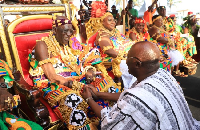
140,35
161,29
109,33
105,30
66,56
170,41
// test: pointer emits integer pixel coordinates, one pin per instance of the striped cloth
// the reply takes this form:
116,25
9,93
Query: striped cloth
155,103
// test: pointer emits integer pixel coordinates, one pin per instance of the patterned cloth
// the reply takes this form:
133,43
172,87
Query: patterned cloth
168,24
157,102
184,44
67,103
11,122
165,62
120,42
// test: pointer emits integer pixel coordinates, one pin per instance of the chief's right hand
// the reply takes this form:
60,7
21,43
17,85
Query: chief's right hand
6,100
93,89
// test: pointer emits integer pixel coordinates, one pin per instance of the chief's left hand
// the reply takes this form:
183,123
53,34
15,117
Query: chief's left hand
85,92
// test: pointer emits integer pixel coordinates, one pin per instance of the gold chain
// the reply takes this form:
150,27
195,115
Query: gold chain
55,49
161,30
140,35
109,33
170,41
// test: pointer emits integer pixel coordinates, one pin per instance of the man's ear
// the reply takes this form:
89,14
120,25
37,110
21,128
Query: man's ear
138,64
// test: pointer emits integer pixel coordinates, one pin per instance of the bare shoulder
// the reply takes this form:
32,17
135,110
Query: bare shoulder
41,51
152,31
40,44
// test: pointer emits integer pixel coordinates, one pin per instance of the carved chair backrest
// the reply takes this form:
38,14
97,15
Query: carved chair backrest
23,34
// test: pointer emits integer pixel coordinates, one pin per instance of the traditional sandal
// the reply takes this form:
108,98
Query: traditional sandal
189,65
192,61
183,75
178,73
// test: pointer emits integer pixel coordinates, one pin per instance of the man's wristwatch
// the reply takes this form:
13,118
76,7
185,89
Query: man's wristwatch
87,99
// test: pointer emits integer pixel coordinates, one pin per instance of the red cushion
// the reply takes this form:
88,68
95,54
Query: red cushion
25,45
31,25
92,39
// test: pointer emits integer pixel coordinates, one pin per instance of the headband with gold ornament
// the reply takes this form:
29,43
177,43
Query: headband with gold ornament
161,7
59,22
157,18
88,68
139,20
105,15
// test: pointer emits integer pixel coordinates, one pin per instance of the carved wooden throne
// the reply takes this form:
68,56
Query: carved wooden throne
23,34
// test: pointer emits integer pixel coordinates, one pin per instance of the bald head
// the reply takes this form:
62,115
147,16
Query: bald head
143,58
145,51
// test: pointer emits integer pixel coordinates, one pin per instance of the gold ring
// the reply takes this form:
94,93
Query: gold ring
9,100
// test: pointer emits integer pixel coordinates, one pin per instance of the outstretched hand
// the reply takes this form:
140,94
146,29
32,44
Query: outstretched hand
68,83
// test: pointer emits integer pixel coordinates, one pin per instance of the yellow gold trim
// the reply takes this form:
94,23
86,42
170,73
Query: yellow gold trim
11,28
92,26
33,9
5,44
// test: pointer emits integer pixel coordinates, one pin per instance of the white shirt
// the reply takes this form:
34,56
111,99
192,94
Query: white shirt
155,103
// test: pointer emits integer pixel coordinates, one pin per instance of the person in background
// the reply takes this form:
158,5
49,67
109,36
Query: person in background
190,29
155,100
131,12
178,28
8,101
115,13
138,33
169,56
167,22
149,13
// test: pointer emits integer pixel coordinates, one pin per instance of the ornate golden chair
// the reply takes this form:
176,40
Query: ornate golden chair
23,34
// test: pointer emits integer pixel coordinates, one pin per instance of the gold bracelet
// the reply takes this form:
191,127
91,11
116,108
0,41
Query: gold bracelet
170,42
87,99
105,48
119,57
48,60
154,34
158,36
